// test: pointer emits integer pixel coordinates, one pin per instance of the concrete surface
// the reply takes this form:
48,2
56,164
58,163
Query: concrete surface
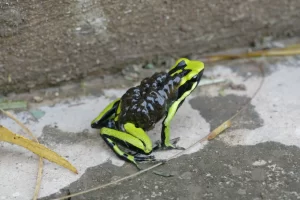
258,158
46,43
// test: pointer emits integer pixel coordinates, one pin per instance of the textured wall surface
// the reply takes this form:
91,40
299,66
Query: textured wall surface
49,42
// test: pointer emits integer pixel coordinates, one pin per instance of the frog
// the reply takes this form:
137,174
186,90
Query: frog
125,122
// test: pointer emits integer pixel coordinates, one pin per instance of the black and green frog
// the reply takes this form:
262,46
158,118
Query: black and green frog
124,121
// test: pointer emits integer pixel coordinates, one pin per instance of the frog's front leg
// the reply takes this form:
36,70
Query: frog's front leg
134,139
166,143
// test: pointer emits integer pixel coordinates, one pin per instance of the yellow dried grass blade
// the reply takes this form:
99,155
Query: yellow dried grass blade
275,52
41,162
292,46
219,130
39,179
288,51
8,136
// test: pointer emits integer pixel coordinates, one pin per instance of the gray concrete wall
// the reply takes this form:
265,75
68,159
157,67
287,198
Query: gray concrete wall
49,42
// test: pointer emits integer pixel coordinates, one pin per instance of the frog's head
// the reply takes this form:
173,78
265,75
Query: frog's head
190,71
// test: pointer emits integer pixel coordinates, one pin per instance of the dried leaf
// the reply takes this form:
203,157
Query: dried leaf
8,136
41,162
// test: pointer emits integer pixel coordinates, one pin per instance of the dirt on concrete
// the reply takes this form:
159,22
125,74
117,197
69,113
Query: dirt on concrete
48,43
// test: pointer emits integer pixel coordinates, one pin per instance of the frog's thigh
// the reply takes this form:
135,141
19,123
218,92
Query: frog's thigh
141,135
119,136
112,136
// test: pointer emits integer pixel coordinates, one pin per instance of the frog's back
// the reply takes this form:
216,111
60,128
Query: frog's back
146,104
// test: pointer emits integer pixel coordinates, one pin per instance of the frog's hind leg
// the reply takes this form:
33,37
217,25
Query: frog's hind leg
104,121
125,156
114,137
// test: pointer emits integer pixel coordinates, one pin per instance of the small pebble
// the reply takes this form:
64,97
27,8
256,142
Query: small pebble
186,175
242,191
148,66
259,163
16,194
38,99
237,86
114,178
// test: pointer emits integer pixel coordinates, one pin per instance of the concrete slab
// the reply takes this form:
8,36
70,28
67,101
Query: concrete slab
252,160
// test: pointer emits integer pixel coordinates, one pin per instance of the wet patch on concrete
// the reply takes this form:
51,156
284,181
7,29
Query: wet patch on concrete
218,109
264,171
53,136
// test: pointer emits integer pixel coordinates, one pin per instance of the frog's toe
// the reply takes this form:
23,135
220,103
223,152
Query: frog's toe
173,142
141,158
157,145
173,147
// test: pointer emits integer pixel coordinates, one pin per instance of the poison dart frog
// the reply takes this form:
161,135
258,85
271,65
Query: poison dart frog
124,121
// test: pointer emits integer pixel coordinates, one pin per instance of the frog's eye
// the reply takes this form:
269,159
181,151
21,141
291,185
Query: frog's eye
195,78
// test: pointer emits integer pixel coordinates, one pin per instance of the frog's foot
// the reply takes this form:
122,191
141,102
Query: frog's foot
138,158
159,146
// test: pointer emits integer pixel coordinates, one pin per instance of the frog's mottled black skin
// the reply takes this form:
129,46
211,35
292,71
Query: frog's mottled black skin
146,104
